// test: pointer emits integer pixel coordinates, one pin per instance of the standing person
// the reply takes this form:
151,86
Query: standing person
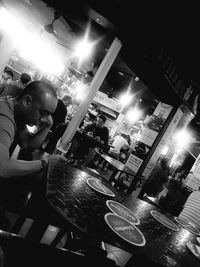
59,125
191,209
33,106
14,88
156,181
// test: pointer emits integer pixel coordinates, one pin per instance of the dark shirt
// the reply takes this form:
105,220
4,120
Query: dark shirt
102,132
13,88
57,129
59,115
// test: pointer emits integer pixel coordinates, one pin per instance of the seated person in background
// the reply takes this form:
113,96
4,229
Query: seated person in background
156,181
7,77
33,106
86,121
99,132
14,88
118,142
191,209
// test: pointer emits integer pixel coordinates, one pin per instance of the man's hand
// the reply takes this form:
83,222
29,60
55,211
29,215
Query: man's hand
98,138
46,122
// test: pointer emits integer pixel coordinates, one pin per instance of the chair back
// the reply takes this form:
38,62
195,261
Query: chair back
18,251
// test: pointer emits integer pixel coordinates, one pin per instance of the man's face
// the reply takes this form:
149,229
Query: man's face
100,122
67,102
38,111
6,77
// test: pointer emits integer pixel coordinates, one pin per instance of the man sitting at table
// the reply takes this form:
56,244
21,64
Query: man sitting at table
33,106
100,132
119,141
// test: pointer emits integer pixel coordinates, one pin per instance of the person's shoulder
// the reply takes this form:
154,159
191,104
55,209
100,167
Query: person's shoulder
5,101
6,106
195,193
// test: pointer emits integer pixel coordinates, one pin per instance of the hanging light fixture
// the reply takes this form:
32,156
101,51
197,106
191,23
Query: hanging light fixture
49,28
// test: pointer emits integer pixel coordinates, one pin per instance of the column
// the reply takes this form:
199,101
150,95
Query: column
91,92
153,154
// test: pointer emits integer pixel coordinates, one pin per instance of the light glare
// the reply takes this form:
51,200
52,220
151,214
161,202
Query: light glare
133,115
83,50
31,47
182,139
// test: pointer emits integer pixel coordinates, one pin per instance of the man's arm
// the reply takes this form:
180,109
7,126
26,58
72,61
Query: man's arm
33,142
10,167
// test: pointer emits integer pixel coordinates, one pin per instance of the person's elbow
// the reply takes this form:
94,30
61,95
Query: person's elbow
4,165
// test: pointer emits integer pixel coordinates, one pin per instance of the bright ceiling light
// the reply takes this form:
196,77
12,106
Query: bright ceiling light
79,92
31,47
182,139
133,115
84,48
126,98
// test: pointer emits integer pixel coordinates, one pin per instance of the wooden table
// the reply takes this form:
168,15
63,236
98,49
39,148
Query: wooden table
118,169
82,209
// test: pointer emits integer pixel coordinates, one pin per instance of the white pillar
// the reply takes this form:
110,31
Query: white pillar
91,92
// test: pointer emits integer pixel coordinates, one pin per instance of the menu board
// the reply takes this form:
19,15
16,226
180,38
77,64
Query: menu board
122,211
125,229
133,163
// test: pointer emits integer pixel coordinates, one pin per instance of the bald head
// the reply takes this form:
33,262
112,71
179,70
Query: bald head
37,89
37,101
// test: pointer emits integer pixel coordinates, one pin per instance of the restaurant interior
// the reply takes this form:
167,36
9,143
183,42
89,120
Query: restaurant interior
145,88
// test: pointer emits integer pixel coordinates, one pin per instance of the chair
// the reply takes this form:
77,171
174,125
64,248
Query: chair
18,251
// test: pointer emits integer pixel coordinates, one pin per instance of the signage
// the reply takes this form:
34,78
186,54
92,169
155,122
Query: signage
133,163
148,136
104,100
170,72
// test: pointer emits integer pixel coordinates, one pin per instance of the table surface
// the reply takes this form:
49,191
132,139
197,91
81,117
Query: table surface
91,139
120,166
84,208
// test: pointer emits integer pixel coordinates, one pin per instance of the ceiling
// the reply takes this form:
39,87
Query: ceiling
143,28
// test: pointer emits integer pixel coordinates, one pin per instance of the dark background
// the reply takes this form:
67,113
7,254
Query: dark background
145,28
